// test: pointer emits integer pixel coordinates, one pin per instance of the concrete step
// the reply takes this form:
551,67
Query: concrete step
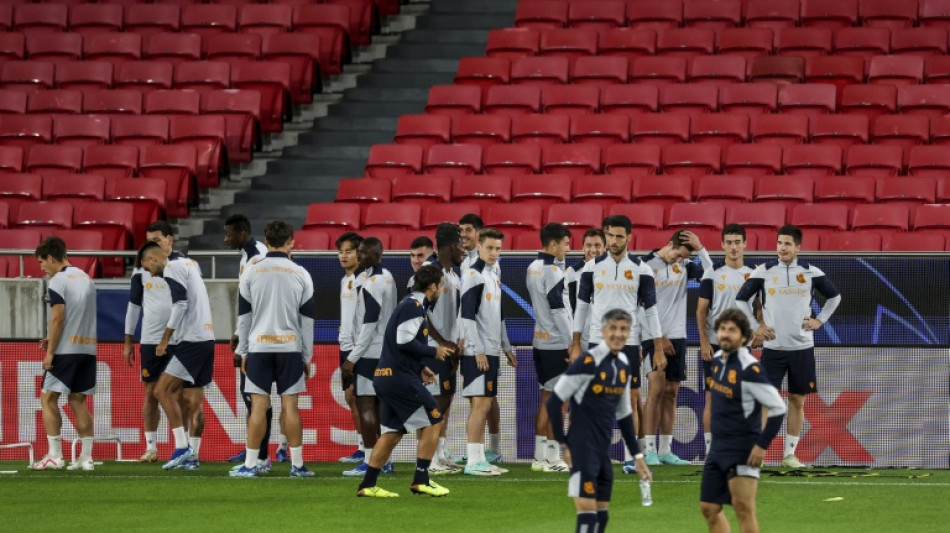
326,152
347,138
424,66
297,178
370,124
443,37
264,211
474,6
377,109
374,94
455,21
313,167
412,79
261,200
442,51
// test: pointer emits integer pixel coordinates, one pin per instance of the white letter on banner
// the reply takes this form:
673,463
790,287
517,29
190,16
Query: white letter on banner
102,409
232,423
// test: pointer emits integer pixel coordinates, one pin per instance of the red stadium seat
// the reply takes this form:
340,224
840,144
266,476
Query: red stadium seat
930,100
715,14
143,76
84,75
513,217
919,41
112,47
16,186
628,43
312,240
932,219
524,240
486,190
544,190
147,197
540,129
649,14
146,19
696,216
541,14
848,191
833,15
455,100
875,161
13,102
57,101
810,99
803,42
935,13
172,102
905,131
362,19
685,42
241,111
748,98
570,100
393,216
723,129
906,191
753,159
513,100
913,242
433,215
12,46
422,190
642,216
604,191
772,14
331,24
95,18
936,68
272,80
870,100
880,218
483,72
820,217
55,47
756,216
661,128
745,42
579,216
19,238
632,159
113,162
840,130
26,75
689,99
602,130
512,43
301,51
896,70
232,47
364,191
390,160
25,130
658,70
173,48
777,69
208,19
540,71
11,159
600,16
483,130
812,160
115,222
718,70
571,159
862,42
512,159
567,43
940,130
888,13
599,70
78,187
423,130
336,217
665,190
782,129
786,191
265,19
40,18
51,159
835,70
932,161
726,189
143,130
691,159
454,159
629,99
177,165
45,214
207,135
203,76
850,241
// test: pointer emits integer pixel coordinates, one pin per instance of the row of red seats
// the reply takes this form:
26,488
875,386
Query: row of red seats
723,129
550,189
231,116
389,161
728,13
382,7
175,165
29,239
513,43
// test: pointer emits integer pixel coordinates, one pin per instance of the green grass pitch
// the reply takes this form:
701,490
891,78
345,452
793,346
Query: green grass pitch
128,496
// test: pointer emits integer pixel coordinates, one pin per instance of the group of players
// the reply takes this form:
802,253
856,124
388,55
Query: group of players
596,323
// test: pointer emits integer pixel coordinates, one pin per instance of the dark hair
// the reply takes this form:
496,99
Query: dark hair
618,221
162,226
372,242
616,314
52,246
595,232
738,318
791,231
447,234
490,233
239,222
474,220
679,241
553,232
353,238
278,233
733,229
145,250
420,242
426,276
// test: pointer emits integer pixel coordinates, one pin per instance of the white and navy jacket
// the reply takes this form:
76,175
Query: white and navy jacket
553,329
251,249
572,278
444,315
346,336
190,316
405,346
74,289
608,284
149,298
375,301
275,307
720,285
671,280
785,290
481,322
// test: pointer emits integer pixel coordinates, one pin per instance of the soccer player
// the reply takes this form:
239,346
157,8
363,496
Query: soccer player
275,325
485,335
469,226
553,333
597,384
346,246
151,300
70,359
405,403
420,250
672,269
740,390
595,244
237,236
188,342
787,331
375,301
617,280
717,292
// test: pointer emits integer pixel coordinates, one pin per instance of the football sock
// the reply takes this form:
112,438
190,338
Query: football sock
626,455
369,453
494,443
440,451
476,453
707,437
283,442
666,442
643,444
421,477
586,522
296,456
791,442
86,453
250,458
553,451
262,453
651,443
282,439
55,445
602,517
369,479
181,438
151,441
540,441
195,443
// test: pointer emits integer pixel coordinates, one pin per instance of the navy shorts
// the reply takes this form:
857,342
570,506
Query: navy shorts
592,475
675,364
478,383
720,467
798,364
191,362
633,357
71,373
364,371
404,404
707,365
445,380
264,369
549,365
152,366
345,381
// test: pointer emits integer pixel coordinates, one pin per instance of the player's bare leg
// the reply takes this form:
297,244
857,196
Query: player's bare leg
257,421
794,426
368,408
629,465
77,402
477,462
194,400
542,429
715,518
743,490
151,416
590,514
494,431
651,414
350,398
52,423
667,422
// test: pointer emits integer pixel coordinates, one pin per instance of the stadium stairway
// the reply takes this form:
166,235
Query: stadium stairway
338,144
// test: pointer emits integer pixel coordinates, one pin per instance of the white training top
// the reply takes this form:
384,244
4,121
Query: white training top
73,288
191,310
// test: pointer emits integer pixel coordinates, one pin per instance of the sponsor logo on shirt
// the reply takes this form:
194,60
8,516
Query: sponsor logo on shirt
383,372
276,339
82,340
